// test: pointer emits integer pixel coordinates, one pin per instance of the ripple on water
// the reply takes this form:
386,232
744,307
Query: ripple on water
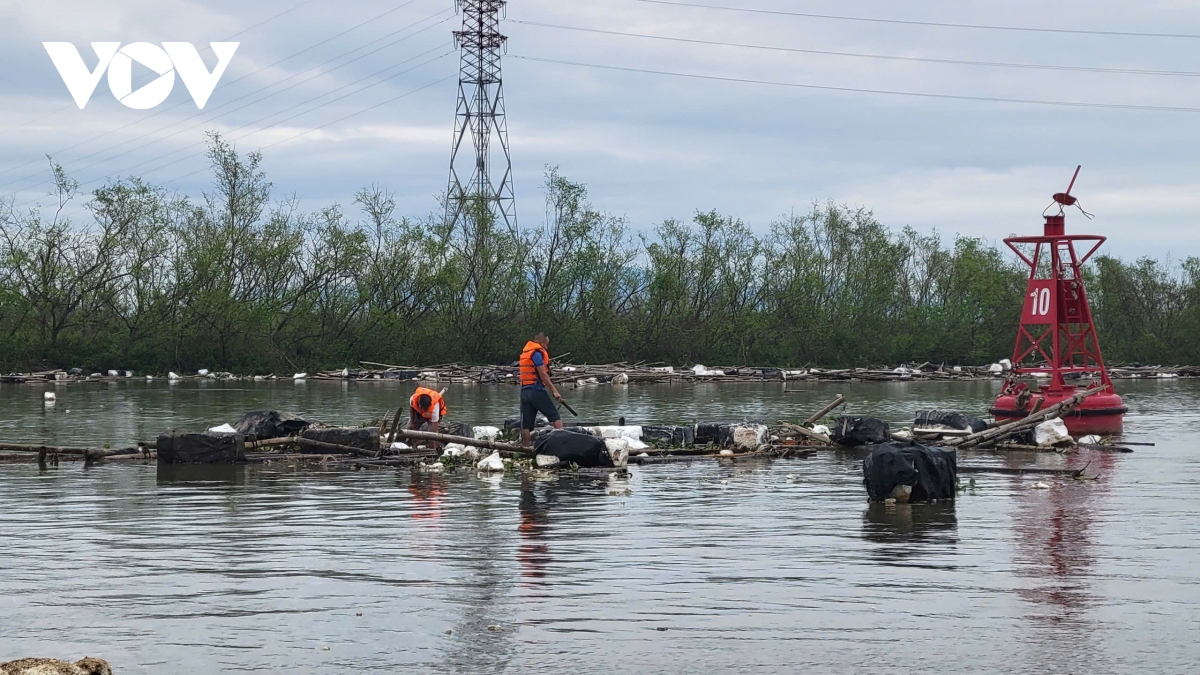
708,566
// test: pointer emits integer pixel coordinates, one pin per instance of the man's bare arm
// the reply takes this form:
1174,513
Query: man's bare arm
545,377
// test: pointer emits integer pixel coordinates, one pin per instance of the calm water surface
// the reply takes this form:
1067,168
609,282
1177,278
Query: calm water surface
754,566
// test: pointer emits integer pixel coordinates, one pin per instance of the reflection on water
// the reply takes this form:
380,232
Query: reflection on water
1053,551
906,534
428,493
908,523
201,474
710,566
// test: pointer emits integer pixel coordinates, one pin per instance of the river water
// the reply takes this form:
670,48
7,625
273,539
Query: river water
747,566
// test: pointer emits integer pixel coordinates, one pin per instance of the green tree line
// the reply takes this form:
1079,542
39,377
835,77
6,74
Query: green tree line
154,281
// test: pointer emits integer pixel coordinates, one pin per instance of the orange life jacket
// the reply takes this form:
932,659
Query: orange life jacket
528,370
435,402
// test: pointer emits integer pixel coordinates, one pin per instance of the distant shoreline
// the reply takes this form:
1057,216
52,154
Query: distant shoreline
606,374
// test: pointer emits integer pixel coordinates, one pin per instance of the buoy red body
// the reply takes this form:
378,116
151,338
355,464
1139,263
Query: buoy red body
1057,341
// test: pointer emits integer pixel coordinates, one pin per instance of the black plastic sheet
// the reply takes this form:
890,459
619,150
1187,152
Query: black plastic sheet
931,472
264,424
363,438
947,418
575,447
200,448
675,436
855,431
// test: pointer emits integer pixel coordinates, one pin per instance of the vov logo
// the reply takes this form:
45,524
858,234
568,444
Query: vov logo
171,58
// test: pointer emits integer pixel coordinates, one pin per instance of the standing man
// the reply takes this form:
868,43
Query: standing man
536,387
425,410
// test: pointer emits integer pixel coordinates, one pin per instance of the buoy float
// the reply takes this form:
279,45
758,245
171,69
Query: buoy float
1057,337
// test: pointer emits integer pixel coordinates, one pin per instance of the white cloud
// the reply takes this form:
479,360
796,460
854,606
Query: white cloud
654,146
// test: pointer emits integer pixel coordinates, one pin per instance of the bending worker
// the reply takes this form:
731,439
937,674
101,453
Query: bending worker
536,387
426,409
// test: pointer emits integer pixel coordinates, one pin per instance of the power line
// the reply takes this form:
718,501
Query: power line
269,19
935,24
889,57
260,99
886,92
231,82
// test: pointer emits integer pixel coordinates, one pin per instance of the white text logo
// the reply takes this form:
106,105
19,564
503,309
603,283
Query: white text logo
171,58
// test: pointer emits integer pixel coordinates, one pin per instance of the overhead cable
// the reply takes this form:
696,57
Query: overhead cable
886,92
889,57
935,24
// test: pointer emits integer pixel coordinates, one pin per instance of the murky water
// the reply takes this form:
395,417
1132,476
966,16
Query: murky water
753,566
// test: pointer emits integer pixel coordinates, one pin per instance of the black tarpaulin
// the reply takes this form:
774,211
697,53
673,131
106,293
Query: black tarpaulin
931,472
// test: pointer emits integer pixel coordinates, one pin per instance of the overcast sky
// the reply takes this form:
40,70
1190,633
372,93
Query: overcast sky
329,92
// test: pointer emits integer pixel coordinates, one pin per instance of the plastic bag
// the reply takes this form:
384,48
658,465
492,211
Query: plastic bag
491,464
1052,432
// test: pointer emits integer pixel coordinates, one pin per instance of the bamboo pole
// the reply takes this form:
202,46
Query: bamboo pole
826,410
462,440
1018,470
42,451
383,425
299,440
395,426
16,447
807,433
389,367
1056,410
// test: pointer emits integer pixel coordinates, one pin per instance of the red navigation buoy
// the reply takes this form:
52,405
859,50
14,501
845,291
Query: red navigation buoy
1057,338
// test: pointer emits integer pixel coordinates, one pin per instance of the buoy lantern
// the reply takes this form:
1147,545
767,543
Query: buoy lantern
1057,340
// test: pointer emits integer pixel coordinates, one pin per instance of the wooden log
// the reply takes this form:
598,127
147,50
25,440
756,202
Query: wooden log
1019,447
1109,448
1056,410
462,440
297,440
1018,470
86,453
389,367
150,456
19,457
16,447
666,459
395,426
942,432
333,447
283,457
826,410
807,433
383,426
90,455
268,442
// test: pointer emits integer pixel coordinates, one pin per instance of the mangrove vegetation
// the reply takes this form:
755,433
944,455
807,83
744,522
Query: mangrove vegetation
237,280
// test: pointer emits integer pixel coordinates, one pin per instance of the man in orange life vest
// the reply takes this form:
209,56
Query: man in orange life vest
536,387
425,410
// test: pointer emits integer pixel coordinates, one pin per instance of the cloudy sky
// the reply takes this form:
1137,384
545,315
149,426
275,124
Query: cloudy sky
340,95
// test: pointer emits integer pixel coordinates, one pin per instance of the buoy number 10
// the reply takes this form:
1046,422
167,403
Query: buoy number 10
1041,301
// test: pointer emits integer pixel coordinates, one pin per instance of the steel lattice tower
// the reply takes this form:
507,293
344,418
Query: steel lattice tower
480,114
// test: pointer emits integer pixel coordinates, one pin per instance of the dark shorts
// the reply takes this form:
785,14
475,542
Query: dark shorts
534,401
